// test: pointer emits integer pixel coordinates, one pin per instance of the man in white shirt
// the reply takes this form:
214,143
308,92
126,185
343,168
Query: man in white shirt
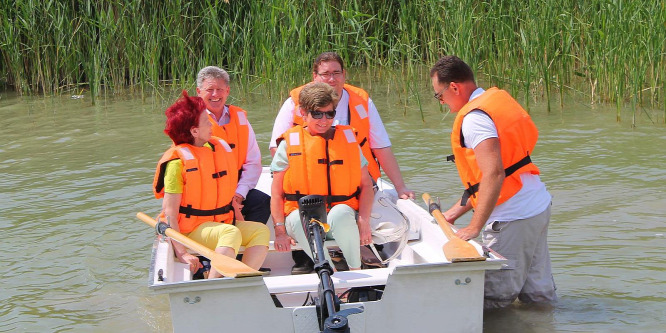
230,123
511,204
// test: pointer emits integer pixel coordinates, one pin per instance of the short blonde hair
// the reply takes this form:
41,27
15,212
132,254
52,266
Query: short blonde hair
317,95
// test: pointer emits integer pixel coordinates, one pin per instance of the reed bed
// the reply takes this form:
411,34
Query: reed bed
609,51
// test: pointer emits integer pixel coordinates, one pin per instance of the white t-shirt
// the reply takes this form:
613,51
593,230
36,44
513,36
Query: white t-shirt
378,137
532,199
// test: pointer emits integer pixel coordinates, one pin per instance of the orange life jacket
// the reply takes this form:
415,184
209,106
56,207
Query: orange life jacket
517,135
209,183
331,168
235,133
359,120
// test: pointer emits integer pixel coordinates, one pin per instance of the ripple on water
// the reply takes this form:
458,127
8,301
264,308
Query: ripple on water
79,258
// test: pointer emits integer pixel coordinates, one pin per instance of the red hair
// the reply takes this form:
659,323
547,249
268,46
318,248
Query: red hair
182,116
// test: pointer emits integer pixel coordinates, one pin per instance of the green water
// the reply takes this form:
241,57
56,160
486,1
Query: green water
75,258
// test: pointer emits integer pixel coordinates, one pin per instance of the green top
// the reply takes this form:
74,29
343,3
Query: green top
173,179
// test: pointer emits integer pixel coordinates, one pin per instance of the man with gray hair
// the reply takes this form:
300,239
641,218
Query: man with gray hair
230,123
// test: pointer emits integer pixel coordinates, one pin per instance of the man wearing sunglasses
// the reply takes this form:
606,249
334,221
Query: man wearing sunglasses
355,108
492,139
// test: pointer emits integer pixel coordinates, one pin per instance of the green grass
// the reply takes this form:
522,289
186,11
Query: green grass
609,51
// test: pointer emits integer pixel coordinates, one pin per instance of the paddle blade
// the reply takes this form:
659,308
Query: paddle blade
229,267
458,250
455,249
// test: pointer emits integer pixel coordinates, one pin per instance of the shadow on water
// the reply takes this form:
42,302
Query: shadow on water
519,318
575,314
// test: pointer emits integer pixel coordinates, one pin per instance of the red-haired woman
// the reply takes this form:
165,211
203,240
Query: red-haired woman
197,178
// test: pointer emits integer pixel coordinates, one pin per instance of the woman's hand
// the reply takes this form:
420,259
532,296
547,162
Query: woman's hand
283,242
191,260
364,232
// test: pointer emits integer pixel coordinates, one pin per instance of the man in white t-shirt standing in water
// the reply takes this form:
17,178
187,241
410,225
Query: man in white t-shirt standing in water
355,108
492,139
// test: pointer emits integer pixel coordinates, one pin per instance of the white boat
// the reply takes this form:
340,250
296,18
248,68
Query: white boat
421,291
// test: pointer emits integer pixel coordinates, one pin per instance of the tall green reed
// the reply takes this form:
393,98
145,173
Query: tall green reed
610,51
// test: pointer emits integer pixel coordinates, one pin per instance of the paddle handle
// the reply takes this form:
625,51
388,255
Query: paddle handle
435,211
226,266
180,238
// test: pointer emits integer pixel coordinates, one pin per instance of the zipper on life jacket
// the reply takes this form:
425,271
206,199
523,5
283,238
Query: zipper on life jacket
328,175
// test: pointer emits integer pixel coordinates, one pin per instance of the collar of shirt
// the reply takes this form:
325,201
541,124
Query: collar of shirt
342,110
225,119
476,93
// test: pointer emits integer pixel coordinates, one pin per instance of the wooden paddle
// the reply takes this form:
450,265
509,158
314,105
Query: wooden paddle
456,249
229,267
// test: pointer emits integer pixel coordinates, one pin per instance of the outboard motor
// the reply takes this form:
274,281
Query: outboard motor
312,210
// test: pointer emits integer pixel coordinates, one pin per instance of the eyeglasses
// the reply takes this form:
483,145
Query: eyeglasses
438,95
320,114
328,76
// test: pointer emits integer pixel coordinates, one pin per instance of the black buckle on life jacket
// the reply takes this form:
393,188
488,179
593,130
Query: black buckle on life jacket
219,174
330,199
232,145
513,168
334,162
469,191
322,161
363,142
293,196
451,158
189,211
472,189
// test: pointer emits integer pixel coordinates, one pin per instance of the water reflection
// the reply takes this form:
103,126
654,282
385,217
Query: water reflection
74,175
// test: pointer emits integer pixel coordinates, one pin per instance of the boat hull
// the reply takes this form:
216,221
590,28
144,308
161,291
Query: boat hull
422,291
418,298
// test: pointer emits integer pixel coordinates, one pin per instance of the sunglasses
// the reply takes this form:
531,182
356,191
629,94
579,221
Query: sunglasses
320,114
438,95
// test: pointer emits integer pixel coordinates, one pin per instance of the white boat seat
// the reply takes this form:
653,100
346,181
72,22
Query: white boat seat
341,280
